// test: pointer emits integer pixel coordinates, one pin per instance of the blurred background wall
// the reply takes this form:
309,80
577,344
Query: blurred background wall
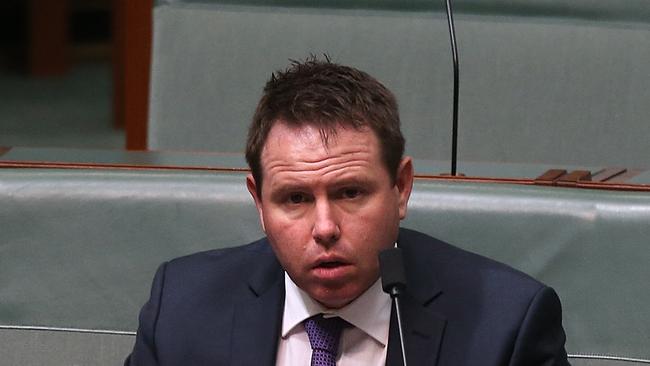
63,73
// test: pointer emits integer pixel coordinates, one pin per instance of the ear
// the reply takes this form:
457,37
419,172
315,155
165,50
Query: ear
404,184
252,189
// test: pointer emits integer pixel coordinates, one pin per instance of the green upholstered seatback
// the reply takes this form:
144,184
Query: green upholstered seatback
78,248
22,347
542,81
81,247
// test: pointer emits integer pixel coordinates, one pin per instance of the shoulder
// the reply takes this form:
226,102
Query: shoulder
452,265
225,259
192,302
220,269
487,304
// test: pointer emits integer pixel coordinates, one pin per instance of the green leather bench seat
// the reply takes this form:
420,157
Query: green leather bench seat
78,249
26,347
642,178
558,82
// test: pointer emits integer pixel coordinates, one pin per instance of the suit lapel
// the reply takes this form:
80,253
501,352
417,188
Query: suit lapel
423,327
423,332
257,319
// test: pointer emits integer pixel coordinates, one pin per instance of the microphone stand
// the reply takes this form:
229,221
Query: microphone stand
393,282
454,50
394,294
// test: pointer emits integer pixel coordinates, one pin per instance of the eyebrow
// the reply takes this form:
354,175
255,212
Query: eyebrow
353,181
280,190
297,186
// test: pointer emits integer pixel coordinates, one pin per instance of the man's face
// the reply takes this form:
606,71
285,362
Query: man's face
329,210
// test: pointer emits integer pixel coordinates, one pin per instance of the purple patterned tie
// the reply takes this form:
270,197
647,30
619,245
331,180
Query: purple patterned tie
324,335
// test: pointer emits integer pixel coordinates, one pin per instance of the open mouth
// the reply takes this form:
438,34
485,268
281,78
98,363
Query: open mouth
332,270
333,264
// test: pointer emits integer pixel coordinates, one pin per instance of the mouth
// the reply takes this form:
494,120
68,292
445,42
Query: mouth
331,269
330,264
330,261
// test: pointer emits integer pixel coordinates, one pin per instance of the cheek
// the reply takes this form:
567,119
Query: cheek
289,239
379,219
377,229
285,228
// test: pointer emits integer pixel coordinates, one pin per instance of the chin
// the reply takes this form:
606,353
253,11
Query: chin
334,300
334,305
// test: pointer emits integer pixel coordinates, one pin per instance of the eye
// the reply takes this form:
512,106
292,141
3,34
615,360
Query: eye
351,193
296,198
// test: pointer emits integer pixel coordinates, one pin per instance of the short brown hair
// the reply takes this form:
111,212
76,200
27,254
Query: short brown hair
326,95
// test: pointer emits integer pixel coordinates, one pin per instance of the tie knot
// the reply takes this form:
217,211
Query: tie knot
324,333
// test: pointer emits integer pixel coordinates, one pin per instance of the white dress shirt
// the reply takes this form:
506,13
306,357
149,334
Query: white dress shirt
365,343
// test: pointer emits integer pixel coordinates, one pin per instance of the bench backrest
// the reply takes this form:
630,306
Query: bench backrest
542,81
79,248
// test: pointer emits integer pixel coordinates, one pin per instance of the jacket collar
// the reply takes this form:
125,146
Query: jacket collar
257,319
423,327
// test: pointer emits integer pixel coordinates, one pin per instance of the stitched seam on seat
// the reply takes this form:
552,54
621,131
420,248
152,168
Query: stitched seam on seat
66,330
609,357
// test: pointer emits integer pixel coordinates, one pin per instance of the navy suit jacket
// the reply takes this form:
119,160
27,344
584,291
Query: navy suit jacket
224,307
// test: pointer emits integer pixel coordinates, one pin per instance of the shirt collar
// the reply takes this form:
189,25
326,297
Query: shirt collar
370,312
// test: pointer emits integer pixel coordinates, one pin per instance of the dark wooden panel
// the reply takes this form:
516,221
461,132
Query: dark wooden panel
550,176
48,52
131,67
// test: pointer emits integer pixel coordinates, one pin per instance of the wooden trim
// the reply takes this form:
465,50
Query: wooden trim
613,186
550,176
132,32
607,174
446,178
573,178
457,178
54,165
576,176
625,176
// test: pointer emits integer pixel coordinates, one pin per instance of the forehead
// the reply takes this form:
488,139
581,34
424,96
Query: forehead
289,148
286,138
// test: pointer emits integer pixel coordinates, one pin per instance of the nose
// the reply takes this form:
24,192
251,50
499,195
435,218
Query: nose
326,230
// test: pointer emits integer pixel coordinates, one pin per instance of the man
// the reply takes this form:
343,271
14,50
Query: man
331,185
